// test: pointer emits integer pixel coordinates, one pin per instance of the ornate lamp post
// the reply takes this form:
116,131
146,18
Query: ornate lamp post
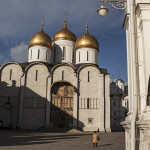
117,4
123,4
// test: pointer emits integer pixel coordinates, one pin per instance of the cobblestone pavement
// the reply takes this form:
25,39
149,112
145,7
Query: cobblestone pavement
25,140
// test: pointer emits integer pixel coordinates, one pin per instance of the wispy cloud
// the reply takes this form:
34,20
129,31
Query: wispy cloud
19,53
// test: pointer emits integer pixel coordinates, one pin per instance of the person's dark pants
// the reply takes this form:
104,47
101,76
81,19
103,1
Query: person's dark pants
94,144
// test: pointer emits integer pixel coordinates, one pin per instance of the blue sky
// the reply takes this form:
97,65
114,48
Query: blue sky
20,19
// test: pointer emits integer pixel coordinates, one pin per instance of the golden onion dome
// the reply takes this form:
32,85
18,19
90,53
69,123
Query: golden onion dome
40,39
64,34
87,40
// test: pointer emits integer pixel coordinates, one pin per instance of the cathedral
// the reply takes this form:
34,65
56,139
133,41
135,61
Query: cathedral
61,85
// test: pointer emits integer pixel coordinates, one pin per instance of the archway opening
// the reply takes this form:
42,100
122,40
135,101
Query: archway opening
62,105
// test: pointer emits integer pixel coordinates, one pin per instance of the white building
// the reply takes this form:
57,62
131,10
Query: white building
137,123
61,85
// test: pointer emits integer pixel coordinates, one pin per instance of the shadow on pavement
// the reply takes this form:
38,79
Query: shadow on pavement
12,138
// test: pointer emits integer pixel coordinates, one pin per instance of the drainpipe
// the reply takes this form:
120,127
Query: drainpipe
44,126
18,124
135,100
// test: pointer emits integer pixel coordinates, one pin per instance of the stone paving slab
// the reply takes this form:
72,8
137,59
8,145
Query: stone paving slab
33,140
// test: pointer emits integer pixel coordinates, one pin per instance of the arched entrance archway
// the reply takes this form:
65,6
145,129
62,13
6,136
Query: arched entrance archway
62,105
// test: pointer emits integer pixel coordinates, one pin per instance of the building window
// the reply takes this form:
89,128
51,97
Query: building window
36,75
87,56
46,55
38,53
88,76
62,75
79,56
10,74
95,57
90,120
114,113
63,53
148,95
88,103
31,54
54,53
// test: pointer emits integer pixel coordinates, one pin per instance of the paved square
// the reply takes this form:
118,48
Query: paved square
29,140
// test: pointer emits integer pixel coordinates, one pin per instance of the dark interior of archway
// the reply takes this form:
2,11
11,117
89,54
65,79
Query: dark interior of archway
62,105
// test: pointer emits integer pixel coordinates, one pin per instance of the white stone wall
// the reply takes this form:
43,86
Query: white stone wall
60,55
10,75
35,97
86,55
95,88
142,53
40,53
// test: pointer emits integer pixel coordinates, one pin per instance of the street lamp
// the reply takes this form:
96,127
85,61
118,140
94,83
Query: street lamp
117,4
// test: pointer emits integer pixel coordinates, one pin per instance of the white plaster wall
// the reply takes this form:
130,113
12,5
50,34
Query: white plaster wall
34,117
10,87
92,89
44,55
58,50
92,55
69,74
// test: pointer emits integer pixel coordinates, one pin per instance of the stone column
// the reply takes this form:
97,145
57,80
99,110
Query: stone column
75,101
107,104
48,101
101,103
21,100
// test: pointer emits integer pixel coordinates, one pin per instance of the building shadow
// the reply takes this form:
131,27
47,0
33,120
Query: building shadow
34,111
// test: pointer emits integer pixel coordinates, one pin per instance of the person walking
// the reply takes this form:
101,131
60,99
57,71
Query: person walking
95,140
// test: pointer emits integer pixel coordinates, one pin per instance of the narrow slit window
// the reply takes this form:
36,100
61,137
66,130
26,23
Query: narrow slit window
54,53
62,75
38,53
79,56
10,74
31,53
36,75
63,53
87,56
148,95
46,55
88,103
88,76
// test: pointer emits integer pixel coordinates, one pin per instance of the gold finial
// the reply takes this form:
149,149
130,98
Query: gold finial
86,26
65,20
119,74
42,23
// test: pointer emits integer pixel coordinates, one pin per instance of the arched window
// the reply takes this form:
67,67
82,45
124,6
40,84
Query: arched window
10,74
31,54
54,53
79,56
87,56
148,94
46,55
38,53
63,53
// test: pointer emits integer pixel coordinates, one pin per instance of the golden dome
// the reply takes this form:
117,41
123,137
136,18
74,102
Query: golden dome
87,40
64,34
41,39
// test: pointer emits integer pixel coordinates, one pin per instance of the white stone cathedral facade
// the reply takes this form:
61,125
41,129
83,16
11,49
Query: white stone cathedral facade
61,85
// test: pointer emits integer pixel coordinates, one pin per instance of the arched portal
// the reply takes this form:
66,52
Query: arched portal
62,105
